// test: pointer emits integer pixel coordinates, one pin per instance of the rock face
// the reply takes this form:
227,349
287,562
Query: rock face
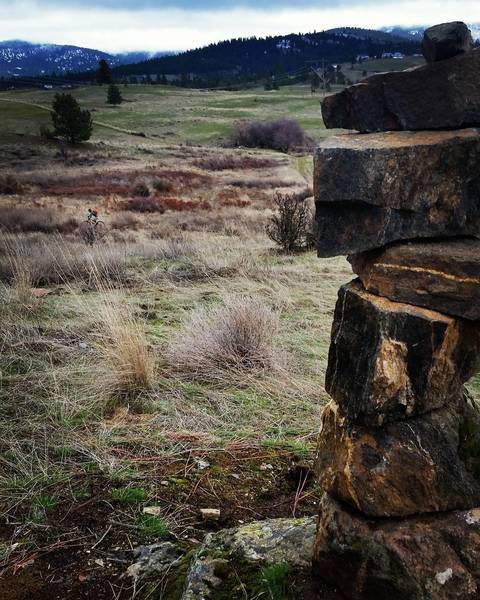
398,185
389,361
440,95
437,274
420,558
405,468
446,41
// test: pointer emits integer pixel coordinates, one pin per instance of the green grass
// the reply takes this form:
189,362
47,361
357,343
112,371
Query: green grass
150,526
130,495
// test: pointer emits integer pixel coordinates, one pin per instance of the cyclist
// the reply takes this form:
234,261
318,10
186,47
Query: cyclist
92,215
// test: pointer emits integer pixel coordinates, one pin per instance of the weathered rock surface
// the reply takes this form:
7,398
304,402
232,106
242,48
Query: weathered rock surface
271,541
388,360
443,275
414,466
376,189
156,559
446,41
440,95
420,558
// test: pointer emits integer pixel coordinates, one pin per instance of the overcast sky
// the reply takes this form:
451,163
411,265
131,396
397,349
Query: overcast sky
119,25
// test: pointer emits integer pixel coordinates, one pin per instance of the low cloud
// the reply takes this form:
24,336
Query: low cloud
148,28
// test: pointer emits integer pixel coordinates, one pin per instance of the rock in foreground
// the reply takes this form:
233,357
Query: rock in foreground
441,95
414,466
377,189
442,275
446,41
389,361
421,558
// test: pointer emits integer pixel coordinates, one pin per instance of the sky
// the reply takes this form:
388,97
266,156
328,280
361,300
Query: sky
153,25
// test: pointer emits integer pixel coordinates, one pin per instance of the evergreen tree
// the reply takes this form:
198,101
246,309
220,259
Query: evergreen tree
113,95
69,120
104,75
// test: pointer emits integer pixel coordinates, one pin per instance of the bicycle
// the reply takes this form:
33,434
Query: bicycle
93,231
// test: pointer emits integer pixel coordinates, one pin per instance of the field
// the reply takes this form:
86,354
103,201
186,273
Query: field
175,364
380,65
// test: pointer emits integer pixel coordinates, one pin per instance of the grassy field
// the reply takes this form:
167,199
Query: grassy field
178,363
167,114
380,65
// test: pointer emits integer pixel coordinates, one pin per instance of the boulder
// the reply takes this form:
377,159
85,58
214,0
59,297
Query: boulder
228,557
419,558
440,95
443,275
381,188
389,361
421,465
446,41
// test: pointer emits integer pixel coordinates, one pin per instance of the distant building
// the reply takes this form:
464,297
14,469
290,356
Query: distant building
398,55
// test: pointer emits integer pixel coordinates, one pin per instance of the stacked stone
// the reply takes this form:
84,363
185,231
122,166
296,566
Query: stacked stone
399,449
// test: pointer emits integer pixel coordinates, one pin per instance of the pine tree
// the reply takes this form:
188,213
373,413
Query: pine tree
113,95
104,74
69,120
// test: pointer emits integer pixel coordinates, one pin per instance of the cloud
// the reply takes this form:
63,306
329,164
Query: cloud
117,26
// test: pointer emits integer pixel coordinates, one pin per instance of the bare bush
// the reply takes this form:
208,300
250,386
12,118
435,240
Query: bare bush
237,337
232,163
142,190
123,220
290,226
163,186
283,135
144,205
10,185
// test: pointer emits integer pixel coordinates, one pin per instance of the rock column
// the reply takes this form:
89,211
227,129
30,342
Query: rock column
399,447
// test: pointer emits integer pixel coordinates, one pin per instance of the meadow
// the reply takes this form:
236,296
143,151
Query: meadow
177,363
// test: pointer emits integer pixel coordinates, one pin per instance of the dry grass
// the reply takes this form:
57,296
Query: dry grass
31,219
128,367
235,338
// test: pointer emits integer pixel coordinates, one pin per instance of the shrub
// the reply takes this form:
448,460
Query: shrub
69,120
238,336
229,162
144,205
10,185
290,226
282,135
16,219
141,190
123,220
163,186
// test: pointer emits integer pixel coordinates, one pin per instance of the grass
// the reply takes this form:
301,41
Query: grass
150,526
167,114
129,495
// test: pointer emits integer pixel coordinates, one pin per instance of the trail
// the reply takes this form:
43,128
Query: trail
98,123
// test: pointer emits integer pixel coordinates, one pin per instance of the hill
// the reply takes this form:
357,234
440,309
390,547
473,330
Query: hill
261,57
20,58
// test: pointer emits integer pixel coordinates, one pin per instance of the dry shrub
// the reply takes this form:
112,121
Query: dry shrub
141,190
179,205
291,224
163,186
123,220
30,219
283,135
238,337
57,261
231,162
144,205
10,185
128,363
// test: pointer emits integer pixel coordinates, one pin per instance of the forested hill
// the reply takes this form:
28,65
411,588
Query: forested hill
266,56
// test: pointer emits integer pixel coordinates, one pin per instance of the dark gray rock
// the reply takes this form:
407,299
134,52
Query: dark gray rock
419,558
440,95
390,361
418,465
446,41
376,189
442,275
